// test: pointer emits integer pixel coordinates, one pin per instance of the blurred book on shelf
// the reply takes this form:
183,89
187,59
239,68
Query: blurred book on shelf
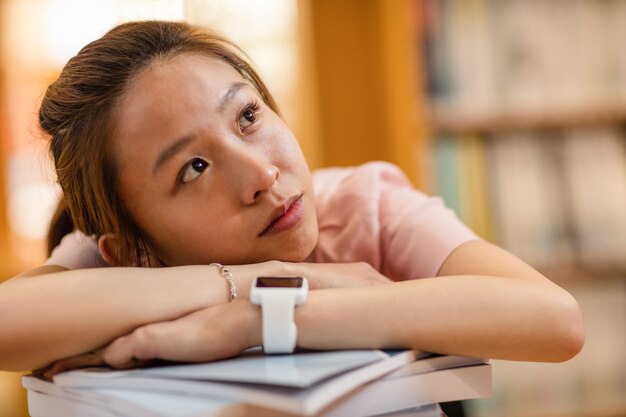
595,171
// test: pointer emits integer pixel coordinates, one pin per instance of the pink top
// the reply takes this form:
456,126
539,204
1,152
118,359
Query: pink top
368,213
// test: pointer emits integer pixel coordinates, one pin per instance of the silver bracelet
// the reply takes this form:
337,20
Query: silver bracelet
228,276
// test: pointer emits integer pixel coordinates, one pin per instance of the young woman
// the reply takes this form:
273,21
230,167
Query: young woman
172,156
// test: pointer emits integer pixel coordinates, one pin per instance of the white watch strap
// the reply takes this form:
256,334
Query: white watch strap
279,330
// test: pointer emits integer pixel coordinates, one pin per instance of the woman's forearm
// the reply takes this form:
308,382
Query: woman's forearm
51,316
480,316
46,315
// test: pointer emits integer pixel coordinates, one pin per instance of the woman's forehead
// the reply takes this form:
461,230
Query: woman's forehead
184,73
168,100
174,91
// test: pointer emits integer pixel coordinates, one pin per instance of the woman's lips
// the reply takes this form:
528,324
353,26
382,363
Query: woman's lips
290,217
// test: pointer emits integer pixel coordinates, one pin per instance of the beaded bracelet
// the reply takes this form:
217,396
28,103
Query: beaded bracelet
228,276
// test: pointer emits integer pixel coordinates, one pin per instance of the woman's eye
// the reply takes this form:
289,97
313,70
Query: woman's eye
247,117
192,170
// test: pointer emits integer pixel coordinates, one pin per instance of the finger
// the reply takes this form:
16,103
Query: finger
92,358
192,338
199,337
147,343
177,341
121,353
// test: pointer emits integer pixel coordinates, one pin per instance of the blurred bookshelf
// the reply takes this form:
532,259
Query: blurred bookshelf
519,122
527,106
527,114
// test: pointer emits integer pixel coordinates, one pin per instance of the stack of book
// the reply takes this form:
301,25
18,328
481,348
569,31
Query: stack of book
355,383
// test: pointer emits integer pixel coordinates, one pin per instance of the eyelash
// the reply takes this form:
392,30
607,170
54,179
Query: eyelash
252,106
181,175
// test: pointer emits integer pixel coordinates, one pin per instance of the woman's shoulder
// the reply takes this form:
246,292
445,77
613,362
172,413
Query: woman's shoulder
77,251
369,169
348,203
372,213
369,179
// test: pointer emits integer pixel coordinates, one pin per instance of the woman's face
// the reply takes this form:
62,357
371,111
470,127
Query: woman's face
208,170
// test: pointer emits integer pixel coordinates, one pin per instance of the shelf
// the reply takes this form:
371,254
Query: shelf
619,412
454,122
570,273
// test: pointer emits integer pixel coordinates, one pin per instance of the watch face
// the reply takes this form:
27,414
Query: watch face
279,282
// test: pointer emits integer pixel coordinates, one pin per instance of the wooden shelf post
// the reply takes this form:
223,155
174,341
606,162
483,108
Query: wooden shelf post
369,86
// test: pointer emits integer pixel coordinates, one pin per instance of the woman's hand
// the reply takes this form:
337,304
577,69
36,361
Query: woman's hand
84,360
205,335
330,275
341,275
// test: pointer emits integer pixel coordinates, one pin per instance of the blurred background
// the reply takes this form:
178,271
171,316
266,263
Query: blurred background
513,110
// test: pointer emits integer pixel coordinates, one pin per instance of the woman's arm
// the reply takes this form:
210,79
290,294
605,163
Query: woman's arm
485,303
51,313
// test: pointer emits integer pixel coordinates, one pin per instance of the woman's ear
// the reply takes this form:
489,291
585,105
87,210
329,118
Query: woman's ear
108,245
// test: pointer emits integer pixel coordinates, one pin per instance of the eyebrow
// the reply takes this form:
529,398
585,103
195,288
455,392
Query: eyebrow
230,94
175,147
170,151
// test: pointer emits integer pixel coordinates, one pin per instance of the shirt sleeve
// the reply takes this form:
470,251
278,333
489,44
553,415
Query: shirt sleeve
418,232
77,251
372,214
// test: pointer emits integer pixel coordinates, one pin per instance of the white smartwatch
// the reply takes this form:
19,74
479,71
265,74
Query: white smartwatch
278,298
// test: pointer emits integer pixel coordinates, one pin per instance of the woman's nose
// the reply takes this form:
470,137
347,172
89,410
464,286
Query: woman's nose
255,175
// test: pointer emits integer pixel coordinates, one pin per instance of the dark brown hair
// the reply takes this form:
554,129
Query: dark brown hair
77,112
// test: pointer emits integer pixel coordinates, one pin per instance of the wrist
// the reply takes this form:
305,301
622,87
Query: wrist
278,297
252,326
244,275
231,288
